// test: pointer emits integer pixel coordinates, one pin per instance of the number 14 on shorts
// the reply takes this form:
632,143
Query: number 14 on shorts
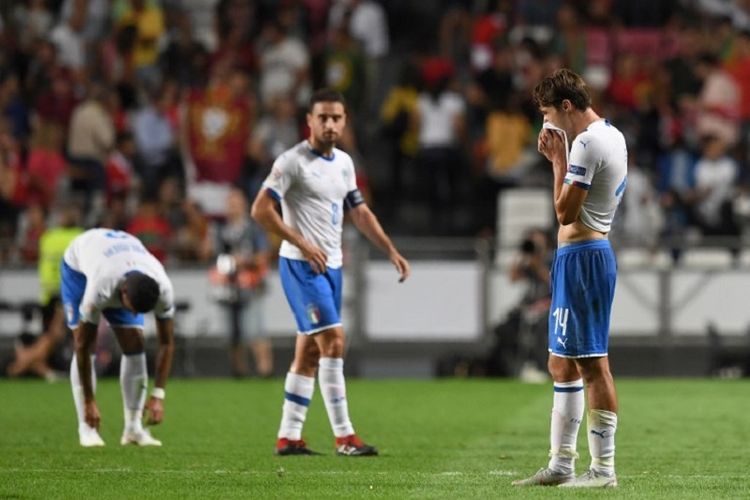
561,320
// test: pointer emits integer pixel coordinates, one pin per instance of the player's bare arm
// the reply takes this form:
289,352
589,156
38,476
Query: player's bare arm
85,338
165,334
367,223
265,213
568,198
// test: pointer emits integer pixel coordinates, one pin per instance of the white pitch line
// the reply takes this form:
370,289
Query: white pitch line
502,473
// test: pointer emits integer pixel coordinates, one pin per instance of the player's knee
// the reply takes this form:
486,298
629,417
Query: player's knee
593,370
562,369
333,348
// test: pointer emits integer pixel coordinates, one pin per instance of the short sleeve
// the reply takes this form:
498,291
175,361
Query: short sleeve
583,164
281,176
165,306
94,299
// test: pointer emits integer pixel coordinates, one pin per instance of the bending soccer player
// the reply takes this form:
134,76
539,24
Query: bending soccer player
111,273
587,190
315,184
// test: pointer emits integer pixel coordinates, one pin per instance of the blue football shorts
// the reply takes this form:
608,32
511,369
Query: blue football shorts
72,289
315,299
583,287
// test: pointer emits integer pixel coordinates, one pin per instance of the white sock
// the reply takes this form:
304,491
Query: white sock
133,383
298,391
333,388
75,383
567,414
602,426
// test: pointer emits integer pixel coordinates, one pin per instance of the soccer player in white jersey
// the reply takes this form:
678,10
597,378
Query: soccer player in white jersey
110,273
315,184
588,186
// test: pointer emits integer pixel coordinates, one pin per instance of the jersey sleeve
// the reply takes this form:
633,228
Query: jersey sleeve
165,306
281,176
584,161
96,295
353,195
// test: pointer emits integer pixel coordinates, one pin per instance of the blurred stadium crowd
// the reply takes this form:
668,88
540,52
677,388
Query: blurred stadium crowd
143,113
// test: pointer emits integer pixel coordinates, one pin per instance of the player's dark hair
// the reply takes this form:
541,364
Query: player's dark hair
142,291
560,85
325,95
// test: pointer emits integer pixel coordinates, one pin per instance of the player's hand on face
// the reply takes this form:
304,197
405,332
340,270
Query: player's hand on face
551,144
402,266
154,411
316,257
91,414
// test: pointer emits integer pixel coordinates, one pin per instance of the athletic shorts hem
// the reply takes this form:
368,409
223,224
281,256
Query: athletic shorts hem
319,329
574,356
137,327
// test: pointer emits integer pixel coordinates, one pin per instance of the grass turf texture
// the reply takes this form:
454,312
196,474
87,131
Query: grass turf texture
438,439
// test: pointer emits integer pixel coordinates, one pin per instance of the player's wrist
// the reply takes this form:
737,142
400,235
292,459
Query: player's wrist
158,393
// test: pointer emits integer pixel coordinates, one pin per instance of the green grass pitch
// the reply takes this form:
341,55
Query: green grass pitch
438,439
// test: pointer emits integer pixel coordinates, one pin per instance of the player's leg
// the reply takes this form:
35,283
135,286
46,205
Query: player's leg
567,405
299,387
598,264
331,342
567,413
333,388
601,422
73,285
128,328
260,344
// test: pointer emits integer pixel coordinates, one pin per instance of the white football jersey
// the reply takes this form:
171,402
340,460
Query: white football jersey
312,190
599,164
105,256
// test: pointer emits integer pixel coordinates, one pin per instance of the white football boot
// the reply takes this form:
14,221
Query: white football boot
592,479
546,477
141,437
88,436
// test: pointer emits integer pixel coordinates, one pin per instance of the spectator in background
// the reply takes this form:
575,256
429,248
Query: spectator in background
184,59
146,20
68,38
32,20
156,139
193,241
52,244
738,66
642,222
236,21
715,177
97,17
90,140
217,127
32,225
275,132
57,101
13,107
718,102
13,188
284,65
45,166
368,24
399,107
121,179
238,278
676,181
440,121
344,68
488,28
152,229
569,40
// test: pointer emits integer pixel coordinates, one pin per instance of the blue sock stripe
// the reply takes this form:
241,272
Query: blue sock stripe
294,398
568,389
